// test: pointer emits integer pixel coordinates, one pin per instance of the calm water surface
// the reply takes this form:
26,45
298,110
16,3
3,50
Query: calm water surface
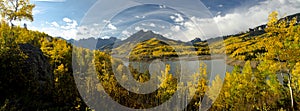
184,67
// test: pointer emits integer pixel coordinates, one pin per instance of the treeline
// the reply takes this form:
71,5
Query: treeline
156,49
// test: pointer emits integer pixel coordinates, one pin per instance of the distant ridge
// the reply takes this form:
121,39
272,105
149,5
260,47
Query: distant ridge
142,35
261,28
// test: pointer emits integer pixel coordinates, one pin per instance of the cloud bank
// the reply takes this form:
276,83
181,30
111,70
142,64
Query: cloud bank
242,19
66,28
237,20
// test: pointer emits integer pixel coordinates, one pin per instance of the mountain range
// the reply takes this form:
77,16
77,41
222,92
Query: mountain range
113,42
119,46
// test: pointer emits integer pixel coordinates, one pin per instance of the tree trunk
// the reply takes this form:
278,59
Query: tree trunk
291,90
289,84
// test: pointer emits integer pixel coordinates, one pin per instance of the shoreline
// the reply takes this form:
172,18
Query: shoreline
187,58
229,61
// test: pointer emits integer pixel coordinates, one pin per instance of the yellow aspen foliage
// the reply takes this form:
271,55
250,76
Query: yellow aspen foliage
215,88
296,76
168,85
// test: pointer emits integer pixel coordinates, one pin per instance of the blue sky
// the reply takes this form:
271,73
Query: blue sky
177,19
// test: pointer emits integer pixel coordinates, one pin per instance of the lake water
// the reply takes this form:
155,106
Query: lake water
184,67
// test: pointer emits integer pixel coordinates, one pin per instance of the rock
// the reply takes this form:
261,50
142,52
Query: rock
39,81
26,80
38,65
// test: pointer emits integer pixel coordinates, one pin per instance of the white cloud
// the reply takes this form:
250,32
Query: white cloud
137,28
172,17
178,18
95,24
152,25
70,25
175,28
220,5
105,37
167,34
36,11
68,34
125,32
67,20
56,32
139,17
55,24
111,26
67,30
106,21
87,31
82,30
282,1
162,6
239,20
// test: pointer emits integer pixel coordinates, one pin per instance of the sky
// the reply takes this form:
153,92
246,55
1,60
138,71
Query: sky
176,19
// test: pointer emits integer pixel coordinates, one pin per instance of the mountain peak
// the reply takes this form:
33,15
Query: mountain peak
196,40
141,31
143,35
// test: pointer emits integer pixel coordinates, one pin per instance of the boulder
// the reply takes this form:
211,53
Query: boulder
38,65
26,80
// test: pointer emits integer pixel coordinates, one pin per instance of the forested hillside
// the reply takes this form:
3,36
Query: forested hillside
277,52
36,71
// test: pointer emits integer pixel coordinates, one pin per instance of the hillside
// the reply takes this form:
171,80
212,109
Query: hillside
154,48
36,71
123,48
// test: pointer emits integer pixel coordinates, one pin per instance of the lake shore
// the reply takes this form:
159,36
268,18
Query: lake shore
229,61
186,58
